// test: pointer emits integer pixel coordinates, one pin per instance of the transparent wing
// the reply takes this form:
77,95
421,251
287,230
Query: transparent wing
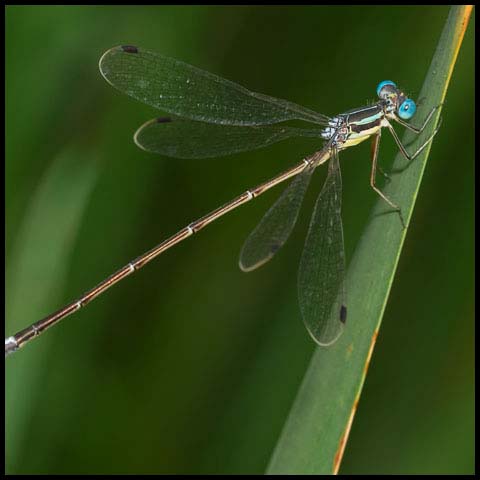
177,137
276,225
187,91
321,288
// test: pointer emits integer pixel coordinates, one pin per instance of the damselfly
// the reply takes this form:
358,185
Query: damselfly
211,116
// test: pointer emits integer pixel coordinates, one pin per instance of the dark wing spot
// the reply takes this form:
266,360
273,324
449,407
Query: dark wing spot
343,314
164,119
274,247
129,49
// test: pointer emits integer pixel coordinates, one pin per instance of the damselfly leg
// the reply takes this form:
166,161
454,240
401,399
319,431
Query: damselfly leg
373,172
409,157
417,152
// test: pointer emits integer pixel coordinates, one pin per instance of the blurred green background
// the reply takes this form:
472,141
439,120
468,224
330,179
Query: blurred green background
191,366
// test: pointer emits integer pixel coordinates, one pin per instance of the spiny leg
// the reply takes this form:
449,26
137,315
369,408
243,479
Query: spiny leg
419,149
374,145
375,148
417,130
414,129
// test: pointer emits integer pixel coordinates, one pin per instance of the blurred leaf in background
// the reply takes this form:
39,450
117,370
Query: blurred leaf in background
191,366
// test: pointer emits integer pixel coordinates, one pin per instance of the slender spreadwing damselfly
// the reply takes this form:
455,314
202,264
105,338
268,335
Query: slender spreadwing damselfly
210,116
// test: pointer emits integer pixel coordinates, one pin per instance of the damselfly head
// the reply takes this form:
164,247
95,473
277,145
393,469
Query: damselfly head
396,100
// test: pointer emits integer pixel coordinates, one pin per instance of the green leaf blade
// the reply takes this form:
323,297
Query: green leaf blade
317,429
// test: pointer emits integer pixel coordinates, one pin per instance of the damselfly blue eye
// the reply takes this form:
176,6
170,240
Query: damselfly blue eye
383,83
407,109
